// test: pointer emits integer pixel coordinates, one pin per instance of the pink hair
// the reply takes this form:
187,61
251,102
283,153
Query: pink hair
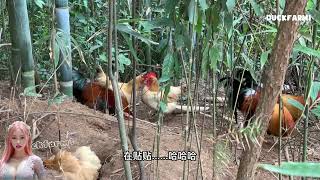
9,150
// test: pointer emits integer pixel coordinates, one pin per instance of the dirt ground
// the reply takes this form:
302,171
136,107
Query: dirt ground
81,126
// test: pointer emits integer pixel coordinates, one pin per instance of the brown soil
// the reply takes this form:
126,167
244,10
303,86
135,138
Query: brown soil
88,127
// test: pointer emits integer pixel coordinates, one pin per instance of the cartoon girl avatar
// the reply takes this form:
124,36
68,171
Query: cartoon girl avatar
18,162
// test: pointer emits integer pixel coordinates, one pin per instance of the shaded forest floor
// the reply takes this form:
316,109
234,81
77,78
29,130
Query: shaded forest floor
87,127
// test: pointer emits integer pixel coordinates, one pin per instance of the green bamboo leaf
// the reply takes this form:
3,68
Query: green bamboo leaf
270,29
307,50
314,91
163,44
205,60
315,14
147,25
228,20
126,28
199,24
248,60
213,18
256,7
305,169
163,22
77,47
123,60
167,66
310,5
264,58
103,57
203,5
229,61
238,21
31,92
92,48
167,90
296,104
179,41
316,111
282,3
57,99
177,68
215,56
163,106
170,6
129,43
302,41
192,12
230,4
85,3
39,3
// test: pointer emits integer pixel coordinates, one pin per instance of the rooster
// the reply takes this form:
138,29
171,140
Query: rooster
294,111
151,95
94,95
287,125
248,99
81,165
125,88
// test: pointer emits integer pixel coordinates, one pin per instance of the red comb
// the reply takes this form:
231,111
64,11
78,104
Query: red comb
150,75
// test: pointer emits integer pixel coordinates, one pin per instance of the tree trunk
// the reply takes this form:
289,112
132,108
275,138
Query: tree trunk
65,63
272,79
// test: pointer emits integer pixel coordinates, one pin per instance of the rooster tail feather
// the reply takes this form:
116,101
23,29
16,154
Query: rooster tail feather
78,80
85,154
79,83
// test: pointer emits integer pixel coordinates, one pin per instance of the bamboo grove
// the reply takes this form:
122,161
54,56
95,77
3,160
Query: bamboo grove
194,41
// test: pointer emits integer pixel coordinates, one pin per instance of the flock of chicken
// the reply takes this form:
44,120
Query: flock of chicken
99,94
95,94
84,163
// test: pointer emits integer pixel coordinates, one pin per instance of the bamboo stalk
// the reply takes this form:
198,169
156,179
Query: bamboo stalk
305,136
310,79
280,132
133,130
119,109
65,62
21,43
189,120
148,50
